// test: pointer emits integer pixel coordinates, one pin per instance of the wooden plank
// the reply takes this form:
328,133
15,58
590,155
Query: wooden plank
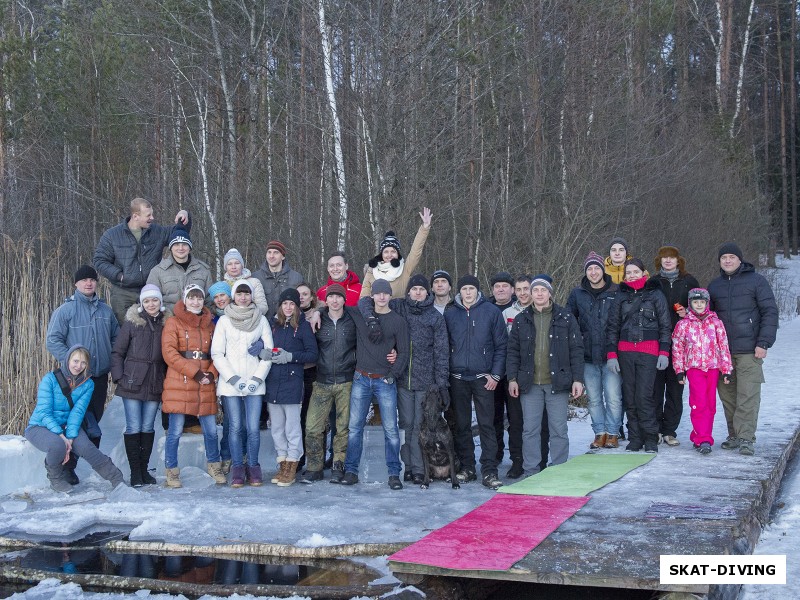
611,542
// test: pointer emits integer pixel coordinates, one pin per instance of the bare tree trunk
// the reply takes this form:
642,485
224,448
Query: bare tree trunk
793,127
740,76
230,115
337,131
785,215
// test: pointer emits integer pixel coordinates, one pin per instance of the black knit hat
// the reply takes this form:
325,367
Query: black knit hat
543,280
417,280
180,236
636,262
441,274
730,248
289,294
389,241
468,280
618,240
502,277
85,272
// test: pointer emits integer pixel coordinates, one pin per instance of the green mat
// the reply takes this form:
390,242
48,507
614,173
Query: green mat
578,476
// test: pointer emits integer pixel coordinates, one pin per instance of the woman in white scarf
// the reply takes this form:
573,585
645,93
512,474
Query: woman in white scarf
241,377
390,265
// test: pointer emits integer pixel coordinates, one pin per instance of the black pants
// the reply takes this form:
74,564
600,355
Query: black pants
462,395
504,403
668,398
638,376
97,404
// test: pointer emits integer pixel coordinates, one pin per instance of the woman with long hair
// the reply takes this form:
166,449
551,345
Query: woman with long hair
55,427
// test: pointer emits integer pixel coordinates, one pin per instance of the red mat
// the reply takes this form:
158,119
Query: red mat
495,535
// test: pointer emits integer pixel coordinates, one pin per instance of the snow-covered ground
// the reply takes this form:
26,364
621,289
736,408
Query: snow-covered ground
324,514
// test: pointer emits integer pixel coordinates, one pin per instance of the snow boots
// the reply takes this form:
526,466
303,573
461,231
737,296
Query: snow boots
288,473
134,451
146,444
59,483
173,478
215,470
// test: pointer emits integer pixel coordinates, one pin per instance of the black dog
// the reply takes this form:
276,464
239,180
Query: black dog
436,441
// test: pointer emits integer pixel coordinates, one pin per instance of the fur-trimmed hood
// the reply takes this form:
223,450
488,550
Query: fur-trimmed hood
136,318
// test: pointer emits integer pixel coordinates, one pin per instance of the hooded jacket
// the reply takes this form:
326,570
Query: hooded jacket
188,332
746,305
259,297
89,322
351,285
591,311
119,253
429,357
285,382
700,344
137,366
53,410
565,349
637,316
229,352
171,279
275,283
478,339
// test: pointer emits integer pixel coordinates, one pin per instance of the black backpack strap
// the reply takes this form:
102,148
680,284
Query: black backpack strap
64,384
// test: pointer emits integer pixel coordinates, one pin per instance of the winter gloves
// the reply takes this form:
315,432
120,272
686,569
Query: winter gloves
281,357
256,347
613,365
662,362
250,386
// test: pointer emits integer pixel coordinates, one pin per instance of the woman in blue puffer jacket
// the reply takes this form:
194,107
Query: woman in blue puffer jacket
55,425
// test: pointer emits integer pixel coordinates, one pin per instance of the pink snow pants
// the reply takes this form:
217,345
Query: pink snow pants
703,403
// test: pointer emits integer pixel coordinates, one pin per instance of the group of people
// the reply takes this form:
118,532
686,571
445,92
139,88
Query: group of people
265,344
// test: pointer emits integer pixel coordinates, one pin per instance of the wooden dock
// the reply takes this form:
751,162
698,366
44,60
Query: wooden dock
616,540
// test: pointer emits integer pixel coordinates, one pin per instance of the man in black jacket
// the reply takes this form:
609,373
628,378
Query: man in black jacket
478,340
376,375
127,252
544,367
591,303
336,341
744,301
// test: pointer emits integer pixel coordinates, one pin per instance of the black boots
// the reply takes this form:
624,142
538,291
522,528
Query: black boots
134,451
138,447
146,444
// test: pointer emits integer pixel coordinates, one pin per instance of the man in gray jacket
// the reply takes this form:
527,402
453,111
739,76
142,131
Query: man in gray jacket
180,269
87,320
275,276
128,251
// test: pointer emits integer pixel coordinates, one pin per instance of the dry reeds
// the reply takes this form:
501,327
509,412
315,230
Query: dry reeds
32,287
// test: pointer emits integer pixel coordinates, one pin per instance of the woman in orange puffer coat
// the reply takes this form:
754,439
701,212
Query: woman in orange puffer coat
189,387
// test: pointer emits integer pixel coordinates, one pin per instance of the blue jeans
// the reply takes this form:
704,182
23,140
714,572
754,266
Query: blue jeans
360,398
605,398
209,425
243,414
139,415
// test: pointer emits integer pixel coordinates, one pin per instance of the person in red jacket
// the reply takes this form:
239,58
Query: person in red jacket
339,272
699,354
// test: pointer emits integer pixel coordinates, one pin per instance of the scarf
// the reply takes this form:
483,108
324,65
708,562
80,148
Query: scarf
243,318
637,284
670,275
386,271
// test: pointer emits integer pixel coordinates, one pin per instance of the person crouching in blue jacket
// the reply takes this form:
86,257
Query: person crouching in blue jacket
55,425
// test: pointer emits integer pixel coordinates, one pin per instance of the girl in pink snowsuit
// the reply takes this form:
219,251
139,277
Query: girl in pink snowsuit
700,353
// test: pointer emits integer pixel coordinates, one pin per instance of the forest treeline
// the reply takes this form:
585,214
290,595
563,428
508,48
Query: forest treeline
534,129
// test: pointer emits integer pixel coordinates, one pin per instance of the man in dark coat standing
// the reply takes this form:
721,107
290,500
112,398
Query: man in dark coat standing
478,340
128,251
276,275
744,301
